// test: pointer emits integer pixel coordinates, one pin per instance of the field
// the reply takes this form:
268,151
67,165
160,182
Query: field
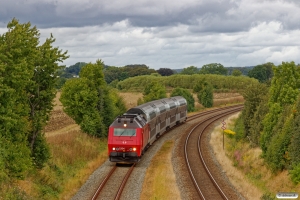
75,155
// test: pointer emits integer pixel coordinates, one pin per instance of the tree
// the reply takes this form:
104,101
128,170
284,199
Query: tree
205,94
41,92
89,101
154,91
27,84
112,73
254,94
284,91
213,68
187,95
165,71
190,70
75,69
295,141
263,72
236,72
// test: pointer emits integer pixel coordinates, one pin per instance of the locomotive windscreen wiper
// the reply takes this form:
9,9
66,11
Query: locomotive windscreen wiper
133,133
122,132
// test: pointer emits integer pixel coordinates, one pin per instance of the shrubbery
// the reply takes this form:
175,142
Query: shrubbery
271,119
219,82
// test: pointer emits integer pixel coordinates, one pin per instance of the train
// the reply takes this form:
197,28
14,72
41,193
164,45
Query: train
132,133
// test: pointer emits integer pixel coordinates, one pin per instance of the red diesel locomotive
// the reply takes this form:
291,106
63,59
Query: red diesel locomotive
132,133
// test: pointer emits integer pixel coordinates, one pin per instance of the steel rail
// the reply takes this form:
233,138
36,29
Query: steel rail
124,182
186,154
102,184
192,117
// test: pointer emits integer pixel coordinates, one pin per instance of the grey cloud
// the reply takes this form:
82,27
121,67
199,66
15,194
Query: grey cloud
203,16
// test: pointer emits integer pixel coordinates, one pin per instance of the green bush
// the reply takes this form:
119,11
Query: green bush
295,174
205,94
239,129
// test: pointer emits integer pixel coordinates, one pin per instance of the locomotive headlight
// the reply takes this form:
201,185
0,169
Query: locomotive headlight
113,148
134,149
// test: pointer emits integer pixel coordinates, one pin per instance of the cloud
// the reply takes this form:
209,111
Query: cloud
165,33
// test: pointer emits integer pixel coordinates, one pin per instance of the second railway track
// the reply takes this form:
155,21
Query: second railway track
198,160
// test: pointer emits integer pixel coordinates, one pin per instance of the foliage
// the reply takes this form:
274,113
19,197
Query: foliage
213,68
294,149
295,174
199,85
27,87
41,151
165,71
283,92
41,92
237,83
239,128
277,153
154,91
187,95
75,69
253,95
236,72
190,70
112,73
263,72
256,127
205,94
244,70
89,101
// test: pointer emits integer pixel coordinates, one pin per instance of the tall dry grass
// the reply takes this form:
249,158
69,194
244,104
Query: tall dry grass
76,155
160,181
250,163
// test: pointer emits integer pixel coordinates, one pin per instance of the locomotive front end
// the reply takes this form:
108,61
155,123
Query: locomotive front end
124,140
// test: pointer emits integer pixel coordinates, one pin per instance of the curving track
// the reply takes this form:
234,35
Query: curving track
198,161
109,190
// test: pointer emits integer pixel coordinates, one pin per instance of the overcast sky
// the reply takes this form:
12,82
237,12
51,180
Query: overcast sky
165,33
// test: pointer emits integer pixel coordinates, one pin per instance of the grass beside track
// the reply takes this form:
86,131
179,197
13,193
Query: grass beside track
160,181
75,156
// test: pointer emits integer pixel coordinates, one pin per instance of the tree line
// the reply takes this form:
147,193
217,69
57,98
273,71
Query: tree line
218,82
271,117
114,74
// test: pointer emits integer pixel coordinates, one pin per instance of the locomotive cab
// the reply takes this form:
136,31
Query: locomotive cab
125,138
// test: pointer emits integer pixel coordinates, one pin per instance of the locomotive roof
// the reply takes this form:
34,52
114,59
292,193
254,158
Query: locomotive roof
157,106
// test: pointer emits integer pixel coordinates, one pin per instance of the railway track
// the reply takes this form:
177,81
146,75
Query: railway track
113,184
195,116
198,161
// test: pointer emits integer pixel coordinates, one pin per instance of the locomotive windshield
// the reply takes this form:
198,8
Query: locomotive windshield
124,132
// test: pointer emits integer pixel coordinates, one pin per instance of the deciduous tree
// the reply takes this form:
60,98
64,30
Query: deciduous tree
205,94
89,102
190,70
213,68
154,91
165,71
